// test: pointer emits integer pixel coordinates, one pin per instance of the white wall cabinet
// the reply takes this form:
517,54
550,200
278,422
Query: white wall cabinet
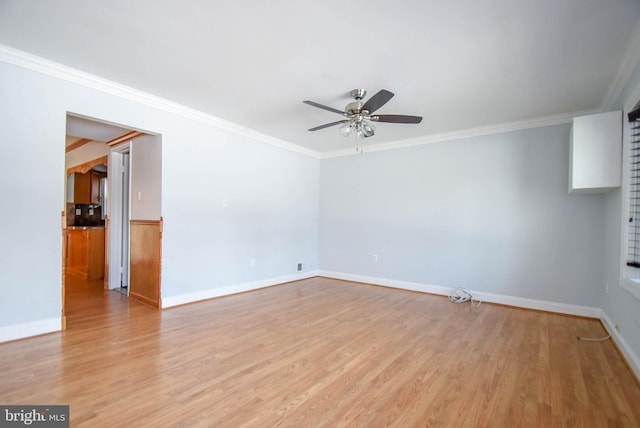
596,153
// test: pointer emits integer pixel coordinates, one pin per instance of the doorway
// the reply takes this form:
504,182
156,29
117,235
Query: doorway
88,138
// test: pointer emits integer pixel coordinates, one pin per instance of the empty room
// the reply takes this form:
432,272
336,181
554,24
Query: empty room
321,214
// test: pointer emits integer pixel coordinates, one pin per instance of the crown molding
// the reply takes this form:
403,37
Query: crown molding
53,69
538,122
630,63
50,68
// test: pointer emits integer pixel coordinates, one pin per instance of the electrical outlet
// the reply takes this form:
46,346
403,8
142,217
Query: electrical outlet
606,288
374,258
618,328
252,263
300,267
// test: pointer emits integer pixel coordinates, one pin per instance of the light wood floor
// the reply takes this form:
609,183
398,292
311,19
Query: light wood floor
320,352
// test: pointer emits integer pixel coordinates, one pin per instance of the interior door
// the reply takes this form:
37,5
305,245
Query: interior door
119,208
124,259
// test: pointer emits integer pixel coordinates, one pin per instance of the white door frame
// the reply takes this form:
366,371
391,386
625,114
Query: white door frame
119,214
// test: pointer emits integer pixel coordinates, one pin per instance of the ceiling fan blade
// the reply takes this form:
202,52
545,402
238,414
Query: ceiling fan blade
327,125
378,100
335,110
396,118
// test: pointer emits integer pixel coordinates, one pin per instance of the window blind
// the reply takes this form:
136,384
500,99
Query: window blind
633,255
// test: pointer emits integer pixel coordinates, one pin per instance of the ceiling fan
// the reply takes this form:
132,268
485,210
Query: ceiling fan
359,115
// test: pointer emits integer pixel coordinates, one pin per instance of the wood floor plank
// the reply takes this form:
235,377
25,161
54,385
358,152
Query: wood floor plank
318,353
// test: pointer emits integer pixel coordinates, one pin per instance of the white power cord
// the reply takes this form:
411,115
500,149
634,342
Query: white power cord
460,295
588,339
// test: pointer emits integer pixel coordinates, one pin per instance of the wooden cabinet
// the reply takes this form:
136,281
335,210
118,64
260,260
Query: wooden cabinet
85,252
596,153
87,188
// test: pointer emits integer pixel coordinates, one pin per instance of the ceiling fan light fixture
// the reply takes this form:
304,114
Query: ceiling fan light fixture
347,128
367,129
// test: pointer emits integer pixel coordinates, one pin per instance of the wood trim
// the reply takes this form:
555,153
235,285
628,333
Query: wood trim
107,250
128,136
145,261
144,300
88,166
63,222
81,142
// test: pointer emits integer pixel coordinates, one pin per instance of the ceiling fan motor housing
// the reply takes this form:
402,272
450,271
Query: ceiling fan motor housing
354,107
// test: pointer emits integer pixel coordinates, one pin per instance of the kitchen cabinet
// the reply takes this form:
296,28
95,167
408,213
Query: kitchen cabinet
87,189
85,252
596,153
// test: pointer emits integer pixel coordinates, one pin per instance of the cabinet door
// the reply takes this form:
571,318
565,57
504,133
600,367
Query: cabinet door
82,189
87,188
77,252
596,152
95,188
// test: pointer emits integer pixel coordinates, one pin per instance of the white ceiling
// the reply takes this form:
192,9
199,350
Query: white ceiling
460,63
95,131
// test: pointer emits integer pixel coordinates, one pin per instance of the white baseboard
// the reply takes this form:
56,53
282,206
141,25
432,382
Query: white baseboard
630,356
28,329
35,328
520,302
386,282
183,299
541,305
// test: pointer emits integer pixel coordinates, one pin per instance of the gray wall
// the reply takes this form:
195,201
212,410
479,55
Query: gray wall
146,178
273,195
271,217
490,214
32,185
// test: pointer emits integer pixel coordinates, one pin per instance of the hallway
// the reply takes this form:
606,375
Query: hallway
89,307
